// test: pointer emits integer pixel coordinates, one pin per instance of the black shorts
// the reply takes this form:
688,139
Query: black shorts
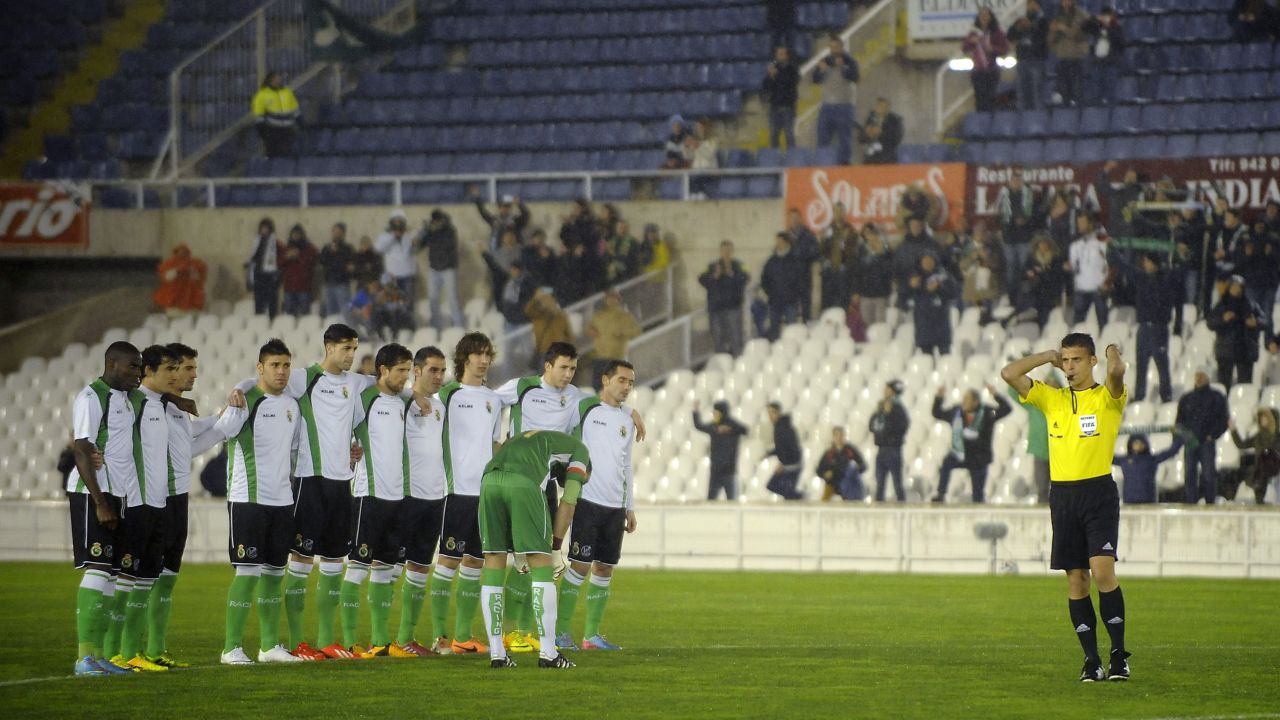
91,543
1086,521
597,533
141,548
461,534
375,538
322,517
175,532
419,524
259,534
553,499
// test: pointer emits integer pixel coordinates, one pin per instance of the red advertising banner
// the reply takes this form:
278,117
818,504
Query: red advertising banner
44,215
872,193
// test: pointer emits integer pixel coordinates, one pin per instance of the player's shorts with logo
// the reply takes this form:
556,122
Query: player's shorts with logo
141,547
461,534
513,515
175,531
597,533
1086,521
90,541
419,525
260,534
375,522
322,517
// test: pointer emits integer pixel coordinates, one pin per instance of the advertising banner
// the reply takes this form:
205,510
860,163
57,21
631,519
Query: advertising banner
872,193
43,215
951,19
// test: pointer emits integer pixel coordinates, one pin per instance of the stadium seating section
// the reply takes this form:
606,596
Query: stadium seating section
36,40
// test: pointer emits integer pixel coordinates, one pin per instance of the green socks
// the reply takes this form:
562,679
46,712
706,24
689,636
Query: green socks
295,599
116,609
135,619
516,593
597,598
350,611
413,594
570,590
328,596
239,602
380,596
90,607
467,601
158,614
441,590
270,598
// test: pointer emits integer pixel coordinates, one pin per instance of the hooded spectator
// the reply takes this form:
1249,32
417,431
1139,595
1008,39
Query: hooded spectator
337,266
725,432
786,448
1265,444
440,238
182,279
1139,467
674,159
932,292
1237,323
298,272
550,322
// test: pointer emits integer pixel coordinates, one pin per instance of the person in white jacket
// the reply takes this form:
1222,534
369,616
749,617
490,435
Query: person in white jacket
398,248
1088,257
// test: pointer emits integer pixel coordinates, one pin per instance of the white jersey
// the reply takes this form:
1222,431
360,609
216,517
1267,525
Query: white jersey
472,424
383,472
262,437
608,433
104,417
188,437
328,405
535,405
151,443
424,433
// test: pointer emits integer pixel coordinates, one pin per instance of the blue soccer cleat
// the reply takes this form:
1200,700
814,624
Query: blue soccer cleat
87,666
109,668
598,642
564,641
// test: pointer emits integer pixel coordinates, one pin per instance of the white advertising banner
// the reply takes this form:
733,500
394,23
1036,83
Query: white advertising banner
951,19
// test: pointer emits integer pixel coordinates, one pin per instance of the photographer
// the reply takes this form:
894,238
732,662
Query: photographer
838,76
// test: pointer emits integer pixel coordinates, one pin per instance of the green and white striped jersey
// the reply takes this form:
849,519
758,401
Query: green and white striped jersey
104,417
262,436
383,472
472,424
150,447
424,435
188,437
608,432
535,405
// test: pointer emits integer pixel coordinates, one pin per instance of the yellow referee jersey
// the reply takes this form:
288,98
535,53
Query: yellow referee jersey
1082,427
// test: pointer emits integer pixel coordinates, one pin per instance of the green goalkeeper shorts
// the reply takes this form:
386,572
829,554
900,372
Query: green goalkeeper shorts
513,515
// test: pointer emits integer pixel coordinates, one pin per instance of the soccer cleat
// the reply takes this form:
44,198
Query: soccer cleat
396,650
443,645
417,649
559,662
236,657
278,654
145,665
88,666
1092,671
108,668
598,642
1119,665
515,642
119,662
167,660
337,652
502,662
564,641
306,652
470,646
533,641
376,651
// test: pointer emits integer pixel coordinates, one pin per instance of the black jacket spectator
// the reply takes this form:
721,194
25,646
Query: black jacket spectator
1202,414
1030,37
724,439
882,149
575,281
440,238
1118,200
336,263
836,463
1236,341
836,288
781,89
890,429
786,445
932,296
1155,295
783,278
873,273
368,266
977,449
504,220
1255,260
724,292
908,253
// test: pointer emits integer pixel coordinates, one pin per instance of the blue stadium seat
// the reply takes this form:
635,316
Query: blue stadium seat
825,156
1057,150
1182,145
1149,146
1124,119
1119,147
1095,120
1088,150
975,125
1028,152
1064,121
999,152
1155,118
798,157
1033,123
1003,125
769,157
611,189
1211,144
762,186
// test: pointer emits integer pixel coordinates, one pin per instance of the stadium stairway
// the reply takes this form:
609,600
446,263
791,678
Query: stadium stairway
52,118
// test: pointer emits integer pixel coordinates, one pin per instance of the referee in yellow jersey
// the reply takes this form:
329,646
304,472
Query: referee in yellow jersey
1083,420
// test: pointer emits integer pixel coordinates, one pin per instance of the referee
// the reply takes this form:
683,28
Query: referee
1083,420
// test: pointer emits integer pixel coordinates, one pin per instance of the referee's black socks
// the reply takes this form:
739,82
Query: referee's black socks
1112,606
1085,622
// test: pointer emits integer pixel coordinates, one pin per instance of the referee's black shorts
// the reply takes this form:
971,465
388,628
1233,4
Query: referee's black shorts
597,533
1086,521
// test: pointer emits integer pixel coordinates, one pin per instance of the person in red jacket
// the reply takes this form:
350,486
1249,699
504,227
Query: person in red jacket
297,272
181,282
985,44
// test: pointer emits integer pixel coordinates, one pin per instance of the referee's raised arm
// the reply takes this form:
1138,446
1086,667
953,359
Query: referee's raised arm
1015,373
1115,371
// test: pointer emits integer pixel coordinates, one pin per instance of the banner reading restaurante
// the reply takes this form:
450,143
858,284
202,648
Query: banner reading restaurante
43,215
873,193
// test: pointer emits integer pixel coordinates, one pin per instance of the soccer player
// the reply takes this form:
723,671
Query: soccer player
422,510
513,515
188,437
607,506
259,504
378,488
102,421
472,428
1083,420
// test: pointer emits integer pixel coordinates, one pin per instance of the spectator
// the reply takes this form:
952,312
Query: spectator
781,83
499,262
337,267
622,254
982,269
539,259
366,264
725,433
1030,38
440,238
578,227
1190,256
951,246
836,275
392,311
932,292
655,249
613,327
675,155
1139,467
881,135
971,430
298,272
916,243
1015,207
360,312
182,279
397,249
262,271
504,220
786,448
1265,445
1038,440
783,283
837,74
1226,237
804,244
1069,45
841,469
725,281
550,322
1255,260
872,276
839,231
703,148
985,44
889,425
1120,201
1153,299
1254,20
1061,222
1201,419
1237,323
1044,278
1089,269
276,114
916,203
1106,53
575,281
516,293
366,366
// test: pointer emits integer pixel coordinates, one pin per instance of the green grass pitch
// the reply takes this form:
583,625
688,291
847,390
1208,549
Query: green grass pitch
702,645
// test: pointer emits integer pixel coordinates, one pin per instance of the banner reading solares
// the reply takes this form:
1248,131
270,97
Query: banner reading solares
873,193
44,215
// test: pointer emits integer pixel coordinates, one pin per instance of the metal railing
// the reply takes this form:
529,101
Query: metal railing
678,344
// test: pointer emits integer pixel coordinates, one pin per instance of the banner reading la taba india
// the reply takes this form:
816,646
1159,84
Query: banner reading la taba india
44,215
951,19
873,193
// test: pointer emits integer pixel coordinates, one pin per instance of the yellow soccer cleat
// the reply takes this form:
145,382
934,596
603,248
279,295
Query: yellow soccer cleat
167,660
533,641
123,664
144,665
515,642
397,651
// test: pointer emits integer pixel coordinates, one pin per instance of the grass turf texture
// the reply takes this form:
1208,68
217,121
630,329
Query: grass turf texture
702,644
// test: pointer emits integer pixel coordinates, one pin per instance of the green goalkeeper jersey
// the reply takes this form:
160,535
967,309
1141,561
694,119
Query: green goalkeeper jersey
542,455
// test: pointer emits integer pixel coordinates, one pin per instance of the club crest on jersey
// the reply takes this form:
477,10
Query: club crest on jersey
289,415
622,432
437,412
451,544
345,393
364,550
240,551
127,560
488,407
96,550
563,401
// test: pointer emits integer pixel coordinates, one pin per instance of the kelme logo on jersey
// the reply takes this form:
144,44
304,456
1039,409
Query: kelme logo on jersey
96,550
364,550
240,552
